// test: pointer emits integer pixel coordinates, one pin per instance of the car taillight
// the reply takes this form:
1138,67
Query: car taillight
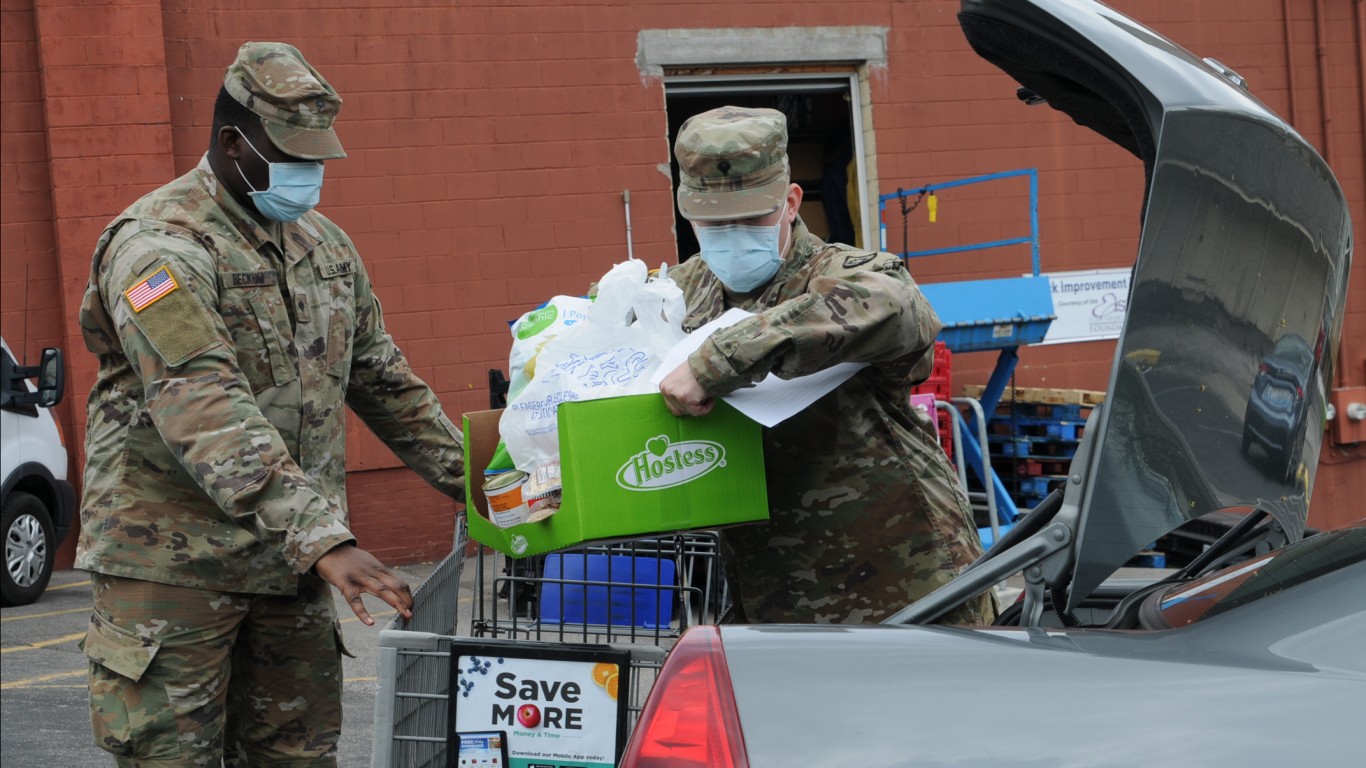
690,719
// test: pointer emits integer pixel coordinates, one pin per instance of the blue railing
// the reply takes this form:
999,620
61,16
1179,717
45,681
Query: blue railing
1032,240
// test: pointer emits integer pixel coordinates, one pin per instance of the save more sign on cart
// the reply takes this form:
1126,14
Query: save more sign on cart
545,707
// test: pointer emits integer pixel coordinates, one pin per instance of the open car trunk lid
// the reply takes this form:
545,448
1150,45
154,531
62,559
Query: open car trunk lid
1246,245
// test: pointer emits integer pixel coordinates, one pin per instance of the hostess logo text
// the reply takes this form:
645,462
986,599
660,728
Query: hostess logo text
664,464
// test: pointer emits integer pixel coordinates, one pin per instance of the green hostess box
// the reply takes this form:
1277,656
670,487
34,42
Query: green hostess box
630,468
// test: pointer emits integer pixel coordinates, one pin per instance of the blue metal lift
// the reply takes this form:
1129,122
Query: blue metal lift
986,315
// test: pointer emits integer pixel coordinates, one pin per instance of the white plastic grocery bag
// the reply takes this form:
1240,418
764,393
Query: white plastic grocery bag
633,322
534,330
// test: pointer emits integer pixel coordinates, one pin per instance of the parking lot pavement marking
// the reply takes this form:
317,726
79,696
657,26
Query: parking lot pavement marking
44,643
29,682
52,588
44,615
59,687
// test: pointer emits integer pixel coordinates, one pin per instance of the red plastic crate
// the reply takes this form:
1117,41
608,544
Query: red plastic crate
943,359
945,423
940,385
936,386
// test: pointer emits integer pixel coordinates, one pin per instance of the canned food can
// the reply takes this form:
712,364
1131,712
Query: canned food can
504,494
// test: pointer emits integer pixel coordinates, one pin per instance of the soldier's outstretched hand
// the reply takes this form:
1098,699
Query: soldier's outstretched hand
355,572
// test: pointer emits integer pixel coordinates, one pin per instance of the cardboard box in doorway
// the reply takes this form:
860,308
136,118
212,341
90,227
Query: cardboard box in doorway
630,469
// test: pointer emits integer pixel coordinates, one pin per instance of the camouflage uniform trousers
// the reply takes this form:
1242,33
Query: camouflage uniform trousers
192,677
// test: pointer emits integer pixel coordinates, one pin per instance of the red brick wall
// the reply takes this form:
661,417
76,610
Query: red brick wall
32,310
399,518
489,147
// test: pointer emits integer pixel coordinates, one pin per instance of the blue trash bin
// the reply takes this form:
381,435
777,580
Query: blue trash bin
618,590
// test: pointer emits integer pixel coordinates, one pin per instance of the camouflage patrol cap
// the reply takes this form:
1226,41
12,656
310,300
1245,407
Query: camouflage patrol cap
296,105
732,163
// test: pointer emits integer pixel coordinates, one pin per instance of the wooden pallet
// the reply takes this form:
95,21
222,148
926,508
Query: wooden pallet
1041,395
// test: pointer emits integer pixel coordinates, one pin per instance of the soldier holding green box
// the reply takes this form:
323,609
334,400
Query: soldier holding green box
866,514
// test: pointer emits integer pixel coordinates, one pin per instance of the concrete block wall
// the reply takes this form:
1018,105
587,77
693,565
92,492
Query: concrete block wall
490,142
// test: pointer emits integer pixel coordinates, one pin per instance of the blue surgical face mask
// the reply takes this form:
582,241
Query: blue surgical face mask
294,187
742,256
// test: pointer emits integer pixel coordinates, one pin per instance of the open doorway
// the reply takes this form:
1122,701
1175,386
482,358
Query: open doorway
825,146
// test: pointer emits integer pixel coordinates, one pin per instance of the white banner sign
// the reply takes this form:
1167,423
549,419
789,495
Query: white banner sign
1089,305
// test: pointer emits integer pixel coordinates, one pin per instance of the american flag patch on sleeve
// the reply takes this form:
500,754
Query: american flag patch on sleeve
149,291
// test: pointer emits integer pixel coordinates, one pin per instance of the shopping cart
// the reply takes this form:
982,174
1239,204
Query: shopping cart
635,597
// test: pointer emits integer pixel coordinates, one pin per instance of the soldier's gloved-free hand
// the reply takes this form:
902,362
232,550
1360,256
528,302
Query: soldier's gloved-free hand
683,395
355,571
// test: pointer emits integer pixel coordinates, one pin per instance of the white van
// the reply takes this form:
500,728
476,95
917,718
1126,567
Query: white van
38,503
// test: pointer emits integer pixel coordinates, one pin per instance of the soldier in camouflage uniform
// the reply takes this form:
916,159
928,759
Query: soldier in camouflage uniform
232,324
866,514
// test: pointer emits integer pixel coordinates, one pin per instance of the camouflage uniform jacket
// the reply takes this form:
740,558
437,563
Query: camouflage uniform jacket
866,514
216,437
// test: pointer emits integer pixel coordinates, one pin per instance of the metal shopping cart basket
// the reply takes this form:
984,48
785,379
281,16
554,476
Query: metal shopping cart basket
632,599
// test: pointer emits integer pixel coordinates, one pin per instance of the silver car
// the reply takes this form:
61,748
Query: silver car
1252,654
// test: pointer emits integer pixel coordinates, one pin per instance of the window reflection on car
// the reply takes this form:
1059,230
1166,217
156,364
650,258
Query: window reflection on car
1277,408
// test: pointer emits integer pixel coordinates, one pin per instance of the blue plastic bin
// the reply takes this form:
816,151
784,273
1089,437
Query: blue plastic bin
640,592
992,314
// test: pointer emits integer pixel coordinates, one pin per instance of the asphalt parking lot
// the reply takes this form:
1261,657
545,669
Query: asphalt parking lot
44,716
